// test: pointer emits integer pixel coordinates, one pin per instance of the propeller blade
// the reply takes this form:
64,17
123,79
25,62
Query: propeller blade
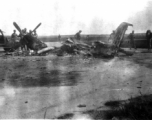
17,27
36,27
2,31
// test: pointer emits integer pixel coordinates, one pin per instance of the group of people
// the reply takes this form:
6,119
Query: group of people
148,38
24,32
130,36
15,38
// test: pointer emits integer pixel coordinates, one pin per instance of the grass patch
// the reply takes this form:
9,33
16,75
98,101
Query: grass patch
138,108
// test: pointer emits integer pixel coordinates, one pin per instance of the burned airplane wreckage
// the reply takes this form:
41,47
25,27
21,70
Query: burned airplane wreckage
96,49
11,45
71,46
30,41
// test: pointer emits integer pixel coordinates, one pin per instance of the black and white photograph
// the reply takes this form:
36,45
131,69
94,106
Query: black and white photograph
76,59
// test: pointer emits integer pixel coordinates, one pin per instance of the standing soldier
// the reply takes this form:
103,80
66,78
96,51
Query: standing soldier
23,41
112,34
111,38
149,37
35,34
25,31
30,32
77,35
132,42
14,35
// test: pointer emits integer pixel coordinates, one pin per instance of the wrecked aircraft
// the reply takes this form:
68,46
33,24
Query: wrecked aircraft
97,49
71,46
112,47
29,40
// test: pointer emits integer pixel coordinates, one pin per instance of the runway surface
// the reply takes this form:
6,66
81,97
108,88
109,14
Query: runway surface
50,86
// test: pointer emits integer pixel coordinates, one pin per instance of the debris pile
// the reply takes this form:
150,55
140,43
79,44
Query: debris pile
76,47
72,47
98,48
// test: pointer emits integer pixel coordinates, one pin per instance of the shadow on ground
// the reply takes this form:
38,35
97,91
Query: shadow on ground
70,76
53,78
138,108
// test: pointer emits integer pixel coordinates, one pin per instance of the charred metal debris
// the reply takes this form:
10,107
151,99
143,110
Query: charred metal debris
33,46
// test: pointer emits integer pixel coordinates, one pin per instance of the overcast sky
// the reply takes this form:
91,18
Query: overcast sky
69,16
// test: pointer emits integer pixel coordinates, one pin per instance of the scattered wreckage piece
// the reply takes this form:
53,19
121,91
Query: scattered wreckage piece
33,43
98,48
111,49
117,39
74,47
45,50
68,47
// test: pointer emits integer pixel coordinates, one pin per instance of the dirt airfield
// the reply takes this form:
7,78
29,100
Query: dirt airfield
50,86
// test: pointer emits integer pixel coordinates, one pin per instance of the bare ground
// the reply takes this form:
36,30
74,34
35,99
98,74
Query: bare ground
50,86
